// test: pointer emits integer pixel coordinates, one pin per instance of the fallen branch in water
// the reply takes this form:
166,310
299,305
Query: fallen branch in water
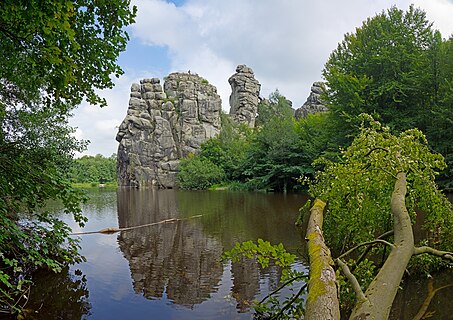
115,230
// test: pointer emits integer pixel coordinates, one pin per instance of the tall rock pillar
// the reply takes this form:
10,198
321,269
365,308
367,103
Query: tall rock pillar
162,126
244,97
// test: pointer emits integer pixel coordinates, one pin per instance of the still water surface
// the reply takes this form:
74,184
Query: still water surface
171,270
174,270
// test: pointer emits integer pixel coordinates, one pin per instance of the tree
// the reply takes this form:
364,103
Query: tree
377,167
276,106
97,169
440,129
198,173
274,161
397,68
228,149
53,54
385,69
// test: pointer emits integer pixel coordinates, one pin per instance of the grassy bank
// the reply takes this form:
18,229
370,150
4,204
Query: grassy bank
90,185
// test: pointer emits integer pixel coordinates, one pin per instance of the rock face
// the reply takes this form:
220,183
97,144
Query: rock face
163,125
244,97
313,103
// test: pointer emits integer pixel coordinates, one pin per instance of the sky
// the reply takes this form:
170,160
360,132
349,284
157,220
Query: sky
285,42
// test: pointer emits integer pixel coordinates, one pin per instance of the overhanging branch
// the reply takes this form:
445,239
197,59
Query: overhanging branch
360,296
425,249
366,244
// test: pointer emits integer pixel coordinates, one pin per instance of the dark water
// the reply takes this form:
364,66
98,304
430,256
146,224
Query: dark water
171,270
174,271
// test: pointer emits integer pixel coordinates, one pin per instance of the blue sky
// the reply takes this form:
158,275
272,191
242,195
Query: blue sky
285,42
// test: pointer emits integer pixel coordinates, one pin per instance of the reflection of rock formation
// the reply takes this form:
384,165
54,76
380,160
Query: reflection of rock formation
246,282
164,124
176,258
244,97
313,103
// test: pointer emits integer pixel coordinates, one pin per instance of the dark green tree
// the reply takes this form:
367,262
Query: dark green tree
276,106
273,160
198,173
386,69
440,128
53,54
94,169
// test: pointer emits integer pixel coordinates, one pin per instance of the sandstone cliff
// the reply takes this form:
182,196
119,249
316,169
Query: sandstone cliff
163,125
245,95
313,103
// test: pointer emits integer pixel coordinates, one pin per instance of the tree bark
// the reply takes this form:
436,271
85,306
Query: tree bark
382,291
322,300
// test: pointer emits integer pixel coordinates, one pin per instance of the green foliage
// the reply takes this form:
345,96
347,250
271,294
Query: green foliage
359,187
198,173
397,68
97,169
440,126
274,159
53,54
227,150
264,252
383,68
277,106
63,50
274,155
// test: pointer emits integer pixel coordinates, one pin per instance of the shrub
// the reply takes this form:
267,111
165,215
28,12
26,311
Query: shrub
198,173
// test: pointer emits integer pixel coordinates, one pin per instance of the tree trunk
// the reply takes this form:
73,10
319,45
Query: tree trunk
322,300
382,291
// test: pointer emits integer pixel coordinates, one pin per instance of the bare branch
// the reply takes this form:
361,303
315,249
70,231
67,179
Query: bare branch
367,250
360,296
115,230
425,249
431,293
281,287
374,149
366,244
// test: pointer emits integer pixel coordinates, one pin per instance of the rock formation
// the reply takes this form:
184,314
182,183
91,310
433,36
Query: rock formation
244,97
174,259
313,103
163,125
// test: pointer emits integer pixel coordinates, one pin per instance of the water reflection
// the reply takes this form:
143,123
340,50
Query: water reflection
411,298
181,260
58,296
176,259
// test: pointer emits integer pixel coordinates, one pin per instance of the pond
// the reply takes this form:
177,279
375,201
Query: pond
173,270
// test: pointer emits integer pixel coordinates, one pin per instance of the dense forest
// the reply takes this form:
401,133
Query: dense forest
93,169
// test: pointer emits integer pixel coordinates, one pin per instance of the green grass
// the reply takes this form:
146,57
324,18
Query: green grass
89,185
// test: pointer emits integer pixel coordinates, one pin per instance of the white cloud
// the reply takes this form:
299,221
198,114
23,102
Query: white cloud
286,43
440,13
